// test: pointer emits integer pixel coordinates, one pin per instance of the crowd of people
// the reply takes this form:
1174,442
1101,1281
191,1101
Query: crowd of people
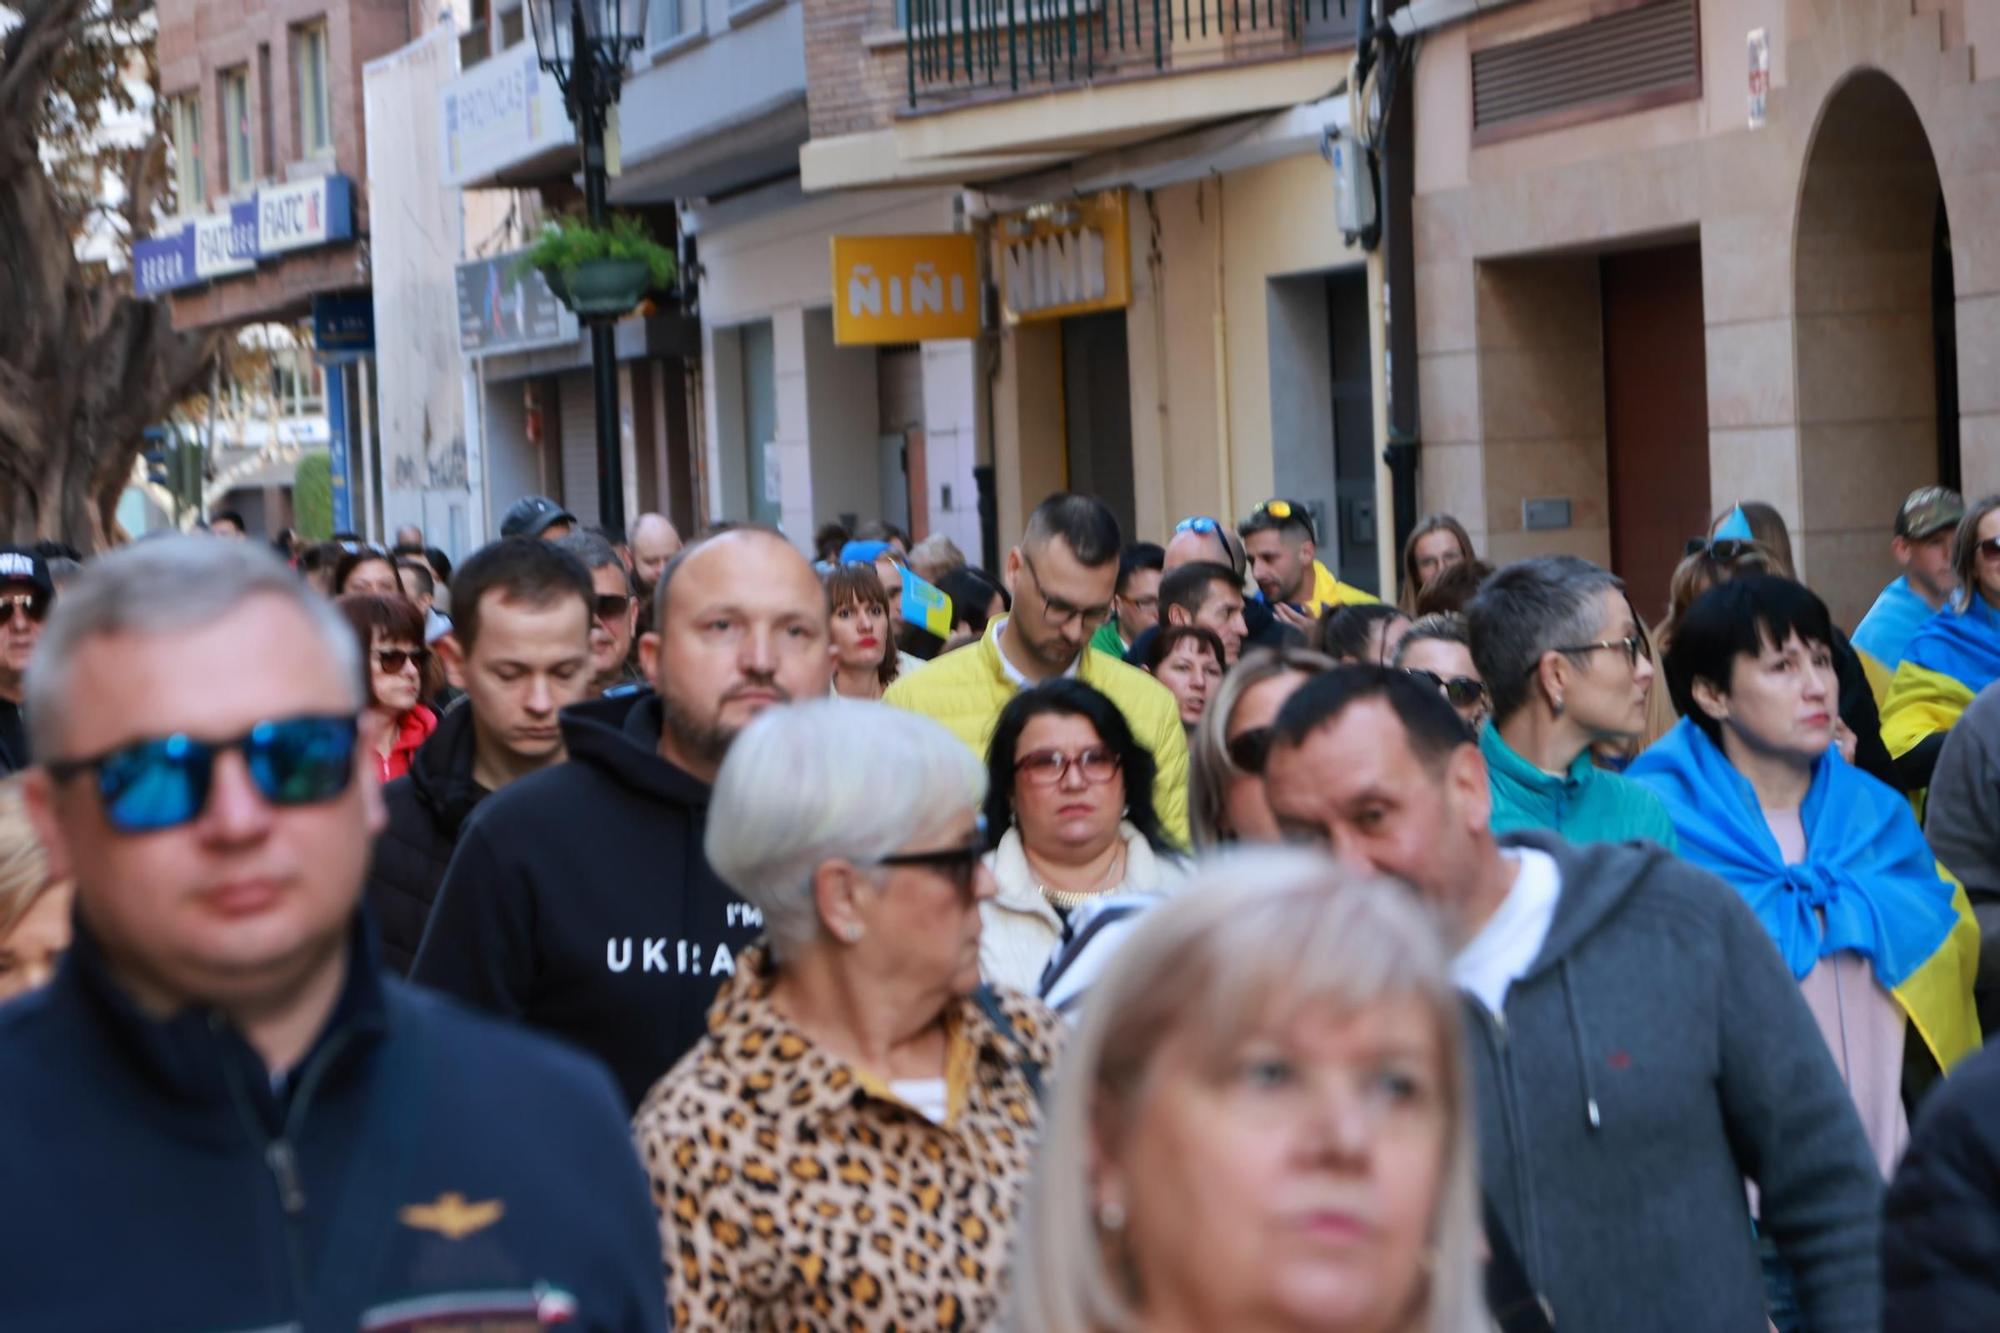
615,932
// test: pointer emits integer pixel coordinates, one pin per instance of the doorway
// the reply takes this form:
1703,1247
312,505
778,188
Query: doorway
1097,412
1655,414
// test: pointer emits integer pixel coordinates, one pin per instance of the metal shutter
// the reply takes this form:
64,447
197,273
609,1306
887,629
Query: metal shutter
1637,57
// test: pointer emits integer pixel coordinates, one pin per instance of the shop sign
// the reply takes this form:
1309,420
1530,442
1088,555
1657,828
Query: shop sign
1067,258
502,311
271,222
226,243
500,114
905,289
304,213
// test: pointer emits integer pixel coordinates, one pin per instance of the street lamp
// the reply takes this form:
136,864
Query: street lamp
584,44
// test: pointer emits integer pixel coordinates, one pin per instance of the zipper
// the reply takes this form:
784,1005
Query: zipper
1495,1026
280,1153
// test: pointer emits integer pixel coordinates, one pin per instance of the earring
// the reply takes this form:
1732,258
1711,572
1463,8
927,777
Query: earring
1111,1215
851,931
1557,705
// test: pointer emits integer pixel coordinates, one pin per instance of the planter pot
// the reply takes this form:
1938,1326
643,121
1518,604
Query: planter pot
600,288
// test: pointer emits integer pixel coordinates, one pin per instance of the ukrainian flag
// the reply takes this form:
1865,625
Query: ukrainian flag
1950,659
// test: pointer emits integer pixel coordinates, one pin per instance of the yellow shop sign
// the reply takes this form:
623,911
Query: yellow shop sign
905,289
1066,258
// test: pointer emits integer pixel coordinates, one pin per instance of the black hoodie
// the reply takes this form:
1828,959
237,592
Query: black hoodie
580,901
427,806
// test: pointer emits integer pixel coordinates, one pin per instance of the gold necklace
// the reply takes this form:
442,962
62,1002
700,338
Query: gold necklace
1068,900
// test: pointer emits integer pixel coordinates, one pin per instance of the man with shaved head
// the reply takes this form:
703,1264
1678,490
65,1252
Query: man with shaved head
579,899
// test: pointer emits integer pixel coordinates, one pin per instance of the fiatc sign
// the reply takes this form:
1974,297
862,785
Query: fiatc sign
296,216
905,289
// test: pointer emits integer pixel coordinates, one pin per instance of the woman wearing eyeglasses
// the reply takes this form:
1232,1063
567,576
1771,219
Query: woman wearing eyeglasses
1954,656
1567,667
391,633
1070,798
1438,648
849,1145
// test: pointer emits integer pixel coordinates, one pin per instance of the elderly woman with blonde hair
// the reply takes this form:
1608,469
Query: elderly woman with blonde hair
849,1145
34,909
1263,1122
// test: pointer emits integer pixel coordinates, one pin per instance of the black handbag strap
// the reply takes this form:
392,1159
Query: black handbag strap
989,1005
1510,1295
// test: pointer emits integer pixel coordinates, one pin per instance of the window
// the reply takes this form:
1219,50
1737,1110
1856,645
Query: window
190,174
663,21
236,169
315,110
475,43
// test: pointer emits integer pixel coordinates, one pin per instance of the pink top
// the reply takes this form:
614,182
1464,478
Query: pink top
1862,1023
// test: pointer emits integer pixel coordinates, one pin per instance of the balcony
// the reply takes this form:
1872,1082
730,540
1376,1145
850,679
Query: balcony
962,52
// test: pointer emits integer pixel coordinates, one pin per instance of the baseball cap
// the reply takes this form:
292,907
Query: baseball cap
531,515
18,564
1928,511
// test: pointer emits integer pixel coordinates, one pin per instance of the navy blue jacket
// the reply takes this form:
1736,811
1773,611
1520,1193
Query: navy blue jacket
422,1163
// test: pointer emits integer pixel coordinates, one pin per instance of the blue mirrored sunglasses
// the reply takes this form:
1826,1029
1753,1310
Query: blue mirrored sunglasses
159,784
1207,527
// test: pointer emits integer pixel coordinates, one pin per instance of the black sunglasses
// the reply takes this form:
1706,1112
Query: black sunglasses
159,784
393,660
611,605
960,864
1249,749
1459,691
1725,549
33,605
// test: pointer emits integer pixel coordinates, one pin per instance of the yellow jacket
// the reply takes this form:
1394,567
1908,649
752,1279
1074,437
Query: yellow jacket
966,688
1330,591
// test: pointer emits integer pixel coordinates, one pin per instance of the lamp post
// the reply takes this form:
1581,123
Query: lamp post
584,44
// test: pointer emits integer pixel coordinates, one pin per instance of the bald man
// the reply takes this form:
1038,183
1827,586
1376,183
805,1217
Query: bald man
580,900
654,542
1201,540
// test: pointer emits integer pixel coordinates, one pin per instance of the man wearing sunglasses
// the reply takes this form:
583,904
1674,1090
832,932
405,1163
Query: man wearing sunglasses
614,615
579,900
1280,540
238,1120
1063,576
27,592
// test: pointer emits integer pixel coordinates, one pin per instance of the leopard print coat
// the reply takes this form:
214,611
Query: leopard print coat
797,1193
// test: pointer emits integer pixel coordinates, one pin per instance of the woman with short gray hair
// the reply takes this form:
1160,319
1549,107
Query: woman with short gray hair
1567,665
848,1146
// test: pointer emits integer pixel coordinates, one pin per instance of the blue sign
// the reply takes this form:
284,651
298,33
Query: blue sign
336,426
343,326
279,218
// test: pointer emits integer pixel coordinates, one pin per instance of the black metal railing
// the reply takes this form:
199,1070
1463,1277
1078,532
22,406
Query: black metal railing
962,48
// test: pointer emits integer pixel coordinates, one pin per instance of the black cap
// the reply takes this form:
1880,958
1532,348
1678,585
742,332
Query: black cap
531,515
18,564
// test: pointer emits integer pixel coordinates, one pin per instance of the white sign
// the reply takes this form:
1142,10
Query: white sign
499,114
292,217
224,244
1760,76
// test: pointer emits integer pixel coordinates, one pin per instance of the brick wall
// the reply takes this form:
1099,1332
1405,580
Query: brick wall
852,86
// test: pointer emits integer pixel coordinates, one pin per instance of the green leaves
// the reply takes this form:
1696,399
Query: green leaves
567,242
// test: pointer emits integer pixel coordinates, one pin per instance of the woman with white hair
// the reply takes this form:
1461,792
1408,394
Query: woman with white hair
1263,1122
849,1145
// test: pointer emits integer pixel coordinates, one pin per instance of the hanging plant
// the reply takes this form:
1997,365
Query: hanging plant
599,272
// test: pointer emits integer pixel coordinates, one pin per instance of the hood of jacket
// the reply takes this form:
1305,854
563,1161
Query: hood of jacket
441,771
620,738
1597,879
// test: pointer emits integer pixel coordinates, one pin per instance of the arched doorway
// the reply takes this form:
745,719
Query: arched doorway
1874,318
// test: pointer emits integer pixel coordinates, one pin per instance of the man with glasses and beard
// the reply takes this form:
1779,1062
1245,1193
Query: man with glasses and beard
237,1119
1062,576
579,900
27,591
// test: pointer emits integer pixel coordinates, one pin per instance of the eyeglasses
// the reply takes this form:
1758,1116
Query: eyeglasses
1248,750
1634,646
159,784
1458,691
33,605
1056,612
393,660
1726,549
1047,768
1207,527
611,605
960,863
1990,547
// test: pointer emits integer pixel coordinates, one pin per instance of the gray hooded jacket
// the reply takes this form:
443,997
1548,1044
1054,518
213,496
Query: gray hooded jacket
1655,1056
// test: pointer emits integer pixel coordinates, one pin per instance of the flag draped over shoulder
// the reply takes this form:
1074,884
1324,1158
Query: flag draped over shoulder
1869,883
1951,658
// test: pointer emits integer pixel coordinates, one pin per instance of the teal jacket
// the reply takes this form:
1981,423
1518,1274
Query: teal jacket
1587,804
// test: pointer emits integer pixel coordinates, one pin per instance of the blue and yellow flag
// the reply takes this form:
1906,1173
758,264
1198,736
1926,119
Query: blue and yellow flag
1951,658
